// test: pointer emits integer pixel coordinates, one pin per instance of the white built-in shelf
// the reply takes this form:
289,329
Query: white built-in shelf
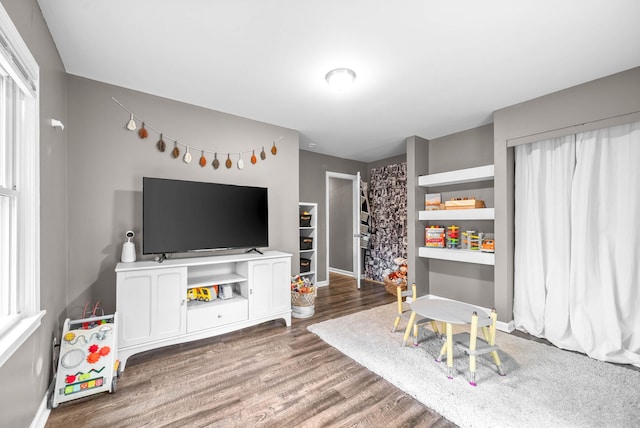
467,256
468,175
471,214
310,232
208,280
196,304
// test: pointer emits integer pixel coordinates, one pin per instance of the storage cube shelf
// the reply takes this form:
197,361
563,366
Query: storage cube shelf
308,239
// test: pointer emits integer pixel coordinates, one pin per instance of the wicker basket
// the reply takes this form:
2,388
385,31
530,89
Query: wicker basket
303,304
391,285
303,299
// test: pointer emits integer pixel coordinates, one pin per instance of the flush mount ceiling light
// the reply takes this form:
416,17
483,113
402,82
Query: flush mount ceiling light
340,78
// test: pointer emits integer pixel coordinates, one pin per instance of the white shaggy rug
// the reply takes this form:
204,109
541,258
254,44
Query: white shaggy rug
543,386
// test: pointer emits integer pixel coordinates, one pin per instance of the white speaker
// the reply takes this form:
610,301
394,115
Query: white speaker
128,249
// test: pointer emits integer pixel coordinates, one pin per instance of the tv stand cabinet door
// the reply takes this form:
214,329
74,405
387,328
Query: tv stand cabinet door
270,287
151,305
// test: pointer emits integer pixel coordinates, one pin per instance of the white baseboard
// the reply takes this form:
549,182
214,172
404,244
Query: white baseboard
341,271
40,420
322,283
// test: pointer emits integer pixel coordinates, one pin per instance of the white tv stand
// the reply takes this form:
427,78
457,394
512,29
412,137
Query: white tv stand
152,307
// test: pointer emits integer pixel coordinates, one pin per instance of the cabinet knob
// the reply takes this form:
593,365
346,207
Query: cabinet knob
219,315
184,301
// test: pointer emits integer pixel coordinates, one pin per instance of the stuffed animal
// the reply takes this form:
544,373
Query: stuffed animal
400,274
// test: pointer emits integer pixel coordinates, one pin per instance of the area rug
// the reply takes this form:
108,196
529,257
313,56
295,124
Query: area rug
543,386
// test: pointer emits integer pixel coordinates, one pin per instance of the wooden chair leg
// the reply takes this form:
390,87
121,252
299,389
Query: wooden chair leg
395,324
473,341
492,341
407,332
434,326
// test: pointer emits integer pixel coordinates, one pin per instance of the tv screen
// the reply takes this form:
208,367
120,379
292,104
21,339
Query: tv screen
180,216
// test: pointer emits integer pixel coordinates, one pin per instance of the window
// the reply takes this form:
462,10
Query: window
20,311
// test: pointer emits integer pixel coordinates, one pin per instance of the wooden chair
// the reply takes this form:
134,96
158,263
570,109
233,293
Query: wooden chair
474,346
404,311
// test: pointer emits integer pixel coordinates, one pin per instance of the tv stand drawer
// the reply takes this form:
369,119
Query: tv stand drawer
216,314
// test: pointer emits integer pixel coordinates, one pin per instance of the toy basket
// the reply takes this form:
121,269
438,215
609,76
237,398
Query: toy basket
303,304
391,285
303,299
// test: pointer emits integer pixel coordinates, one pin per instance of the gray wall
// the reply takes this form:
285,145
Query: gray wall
90,179
25,376
107,163
597,104
466,282
313,169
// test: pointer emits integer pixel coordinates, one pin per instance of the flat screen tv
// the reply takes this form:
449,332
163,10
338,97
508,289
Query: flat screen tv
181,216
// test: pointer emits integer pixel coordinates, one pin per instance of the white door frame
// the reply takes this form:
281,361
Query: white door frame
355,180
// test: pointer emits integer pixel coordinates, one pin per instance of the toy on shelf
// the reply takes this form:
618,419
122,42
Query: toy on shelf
472,240
203,294
87,362
488,245
453,237
432,201
463,204
434,236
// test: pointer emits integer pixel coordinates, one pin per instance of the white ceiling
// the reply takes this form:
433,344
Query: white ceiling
424,67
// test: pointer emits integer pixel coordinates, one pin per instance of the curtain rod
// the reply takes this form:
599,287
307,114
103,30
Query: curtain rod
574,129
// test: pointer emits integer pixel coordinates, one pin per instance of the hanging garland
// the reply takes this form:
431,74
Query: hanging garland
161,145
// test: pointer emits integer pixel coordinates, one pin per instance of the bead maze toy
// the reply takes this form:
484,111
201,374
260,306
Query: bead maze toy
453,237
87,362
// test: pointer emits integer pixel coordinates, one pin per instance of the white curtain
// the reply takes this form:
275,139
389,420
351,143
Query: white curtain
577,249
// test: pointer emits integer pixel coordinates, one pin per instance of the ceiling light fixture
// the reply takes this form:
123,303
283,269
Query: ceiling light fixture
340,78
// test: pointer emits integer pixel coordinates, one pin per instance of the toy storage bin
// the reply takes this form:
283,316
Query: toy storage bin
305,220
305,265
306,243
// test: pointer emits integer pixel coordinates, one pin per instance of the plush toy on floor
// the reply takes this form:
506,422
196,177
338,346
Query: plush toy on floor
397,277
400,274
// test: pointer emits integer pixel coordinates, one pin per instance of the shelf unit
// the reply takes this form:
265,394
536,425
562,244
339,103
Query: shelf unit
310,232
461,176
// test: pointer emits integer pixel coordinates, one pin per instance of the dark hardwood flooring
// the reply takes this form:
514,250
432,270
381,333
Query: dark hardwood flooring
268,375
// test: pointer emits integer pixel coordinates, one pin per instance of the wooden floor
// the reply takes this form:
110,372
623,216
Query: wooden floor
268,375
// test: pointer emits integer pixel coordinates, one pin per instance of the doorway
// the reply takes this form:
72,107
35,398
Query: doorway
343,225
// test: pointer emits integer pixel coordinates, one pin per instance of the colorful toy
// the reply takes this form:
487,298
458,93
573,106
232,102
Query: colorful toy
453,237
400,274
87,362
488,246
472,240
434,236
203,294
